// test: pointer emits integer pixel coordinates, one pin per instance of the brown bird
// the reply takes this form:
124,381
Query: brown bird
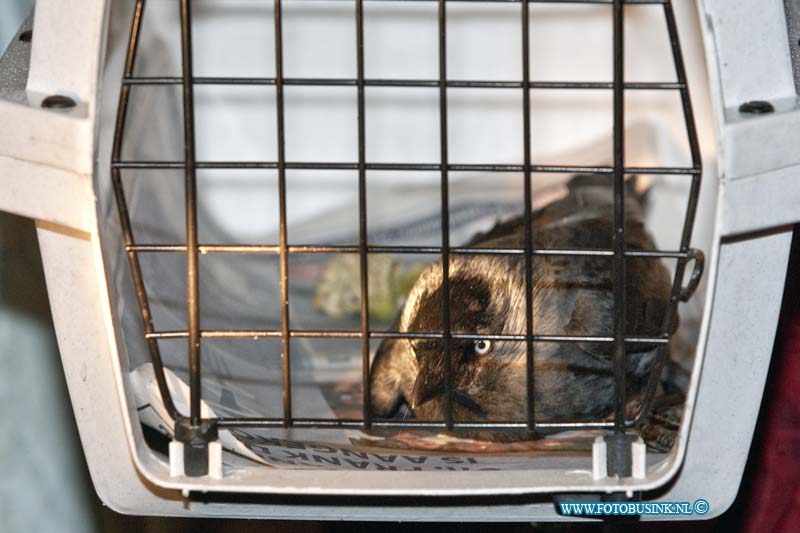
572,295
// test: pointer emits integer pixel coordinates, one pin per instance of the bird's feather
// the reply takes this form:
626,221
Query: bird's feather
573,295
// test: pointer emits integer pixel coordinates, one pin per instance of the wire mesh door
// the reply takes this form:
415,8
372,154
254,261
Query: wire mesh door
196,431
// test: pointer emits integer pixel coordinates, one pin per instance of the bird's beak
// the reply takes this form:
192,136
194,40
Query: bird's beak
425,389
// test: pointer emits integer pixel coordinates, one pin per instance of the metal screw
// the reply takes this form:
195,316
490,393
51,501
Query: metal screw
756,107
26,36
58,101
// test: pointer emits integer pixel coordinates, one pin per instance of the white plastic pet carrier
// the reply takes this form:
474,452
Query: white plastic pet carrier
217,185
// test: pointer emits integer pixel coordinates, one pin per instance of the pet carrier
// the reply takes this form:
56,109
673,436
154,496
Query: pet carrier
233,200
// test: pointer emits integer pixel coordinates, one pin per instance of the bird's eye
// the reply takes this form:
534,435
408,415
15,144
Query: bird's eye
482,347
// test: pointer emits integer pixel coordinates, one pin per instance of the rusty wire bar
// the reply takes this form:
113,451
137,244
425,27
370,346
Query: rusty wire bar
452,84
341,423
530,375
445,188
618,241
379,249
124,216
343,334
286,360
407,424
430,167
362,216
190,184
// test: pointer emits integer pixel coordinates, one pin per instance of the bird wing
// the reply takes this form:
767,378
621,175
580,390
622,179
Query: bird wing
647,282
583,219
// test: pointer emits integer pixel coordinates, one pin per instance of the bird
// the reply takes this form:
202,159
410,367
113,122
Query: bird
571,295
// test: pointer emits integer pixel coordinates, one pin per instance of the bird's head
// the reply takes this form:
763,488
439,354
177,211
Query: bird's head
485,298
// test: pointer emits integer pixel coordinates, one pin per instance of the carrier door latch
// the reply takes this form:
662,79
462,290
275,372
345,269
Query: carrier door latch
699,259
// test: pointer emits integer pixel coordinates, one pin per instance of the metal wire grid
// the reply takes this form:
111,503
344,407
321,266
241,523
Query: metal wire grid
192,247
